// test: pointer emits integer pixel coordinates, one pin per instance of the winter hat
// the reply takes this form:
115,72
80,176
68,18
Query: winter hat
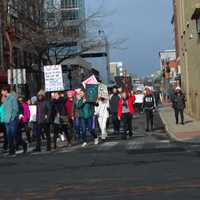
178,88
41,93
34,99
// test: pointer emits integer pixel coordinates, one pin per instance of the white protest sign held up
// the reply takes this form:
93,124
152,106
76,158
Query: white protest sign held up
53,78
103,91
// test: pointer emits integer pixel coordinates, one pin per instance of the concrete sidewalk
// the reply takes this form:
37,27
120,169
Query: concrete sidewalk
190,132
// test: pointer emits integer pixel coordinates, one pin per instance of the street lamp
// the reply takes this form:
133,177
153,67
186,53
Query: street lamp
107,49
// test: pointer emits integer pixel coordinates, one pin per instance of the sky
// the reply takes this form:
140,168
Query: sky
144,25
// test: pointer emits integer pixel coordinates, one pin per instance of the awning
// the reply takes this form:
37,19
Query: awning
196,14
77,61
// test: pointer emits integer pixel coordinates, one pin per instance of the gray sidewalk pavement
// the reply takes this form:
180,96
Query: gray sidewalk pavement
189,132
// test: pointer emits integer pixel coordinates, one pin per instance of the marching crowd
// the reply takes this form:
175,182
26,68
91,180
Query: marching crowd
49,116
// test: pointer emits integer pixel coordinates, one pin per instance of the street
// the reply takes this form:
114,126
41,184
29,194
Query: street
112,170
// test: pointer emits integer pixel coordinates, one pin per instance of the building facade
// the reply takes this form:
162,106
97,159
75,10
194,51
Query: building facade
187,34
115,69
67,19
169,72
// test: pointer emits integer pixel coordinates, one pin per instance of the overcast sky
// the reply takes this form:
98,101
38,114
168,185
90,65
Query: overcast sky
145,24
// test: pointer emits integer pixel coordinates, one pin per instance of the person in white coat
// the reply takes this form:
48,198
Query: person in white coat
102,113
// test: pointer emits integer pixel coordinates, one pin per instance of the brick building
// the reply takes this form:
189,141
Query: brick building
187,36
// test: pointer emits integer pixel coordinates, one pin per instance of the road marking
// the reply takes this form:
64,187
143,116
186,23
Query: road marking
107,146
164,141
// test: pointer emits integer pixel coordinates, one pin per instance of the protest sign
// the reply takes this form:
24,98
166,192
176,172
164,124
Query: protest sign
91,80
91,93
53,78
33,113
103,91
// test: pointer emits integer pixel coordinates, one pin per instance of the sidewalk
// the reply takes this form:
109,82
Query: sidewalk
190,132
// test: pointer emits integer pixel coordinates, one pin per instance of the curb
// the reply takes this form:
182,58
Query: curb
171,149
172,135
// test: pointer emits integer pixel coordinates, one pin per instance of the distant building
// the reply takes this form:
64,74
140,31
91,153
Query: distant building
115,69
169,71
186,21
68,16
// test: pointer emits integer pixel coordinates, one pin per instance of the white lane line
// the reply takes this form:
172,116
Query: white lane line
107,146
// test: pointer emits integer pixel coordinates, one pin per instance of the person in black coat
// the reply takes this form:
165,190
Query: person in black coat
43,119
178,103
149,106
114,110
59,118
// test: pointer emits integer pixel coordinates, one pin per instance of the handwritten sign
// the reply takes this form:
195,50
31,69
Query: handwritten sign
103,91
53,78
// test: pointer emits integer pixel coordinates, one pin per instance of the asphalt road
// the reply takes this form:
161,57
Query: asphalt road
115,170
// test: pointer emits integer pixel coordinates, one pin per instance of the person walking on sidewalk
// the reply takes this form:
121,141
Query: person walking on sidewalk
125,113
114,99
102,113
86,113
149,106
178,103
11,110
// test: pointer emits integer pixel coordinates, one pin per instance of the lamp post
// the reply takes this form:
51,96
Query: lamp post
107,51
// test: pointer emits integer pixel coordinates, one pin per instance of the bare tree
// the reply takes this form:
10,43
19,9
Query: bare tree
44,32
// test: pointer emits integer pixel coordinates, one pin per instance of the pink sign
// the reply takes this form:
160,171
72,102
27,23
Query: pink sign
91,80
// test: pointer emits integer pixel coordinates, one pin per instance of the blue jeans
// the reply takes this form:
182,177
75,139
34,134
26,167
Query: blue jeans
87,124
11,130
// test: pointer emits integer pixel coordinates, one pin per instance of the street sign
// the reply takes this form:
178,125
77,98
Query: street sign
53,78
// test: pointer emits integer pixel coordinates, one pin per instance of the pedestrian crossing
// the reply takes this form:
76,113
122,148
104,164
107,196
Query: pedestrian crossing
122,146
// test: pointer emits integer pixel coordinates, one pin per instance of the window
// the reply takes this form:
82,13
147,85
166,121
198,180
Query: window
71,31
198,25
70,4
70,15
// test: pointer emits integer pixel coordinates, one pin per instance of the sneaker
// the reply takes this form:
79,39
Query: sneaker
84,144
96,141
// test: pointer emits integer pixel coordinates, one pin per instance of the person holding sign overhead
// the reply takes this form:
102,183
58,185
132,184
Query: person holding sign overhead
86,113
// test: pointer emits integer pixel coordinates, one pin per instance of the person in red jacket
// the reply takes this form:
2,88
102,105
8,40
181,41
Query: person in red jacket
125,113
70,108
